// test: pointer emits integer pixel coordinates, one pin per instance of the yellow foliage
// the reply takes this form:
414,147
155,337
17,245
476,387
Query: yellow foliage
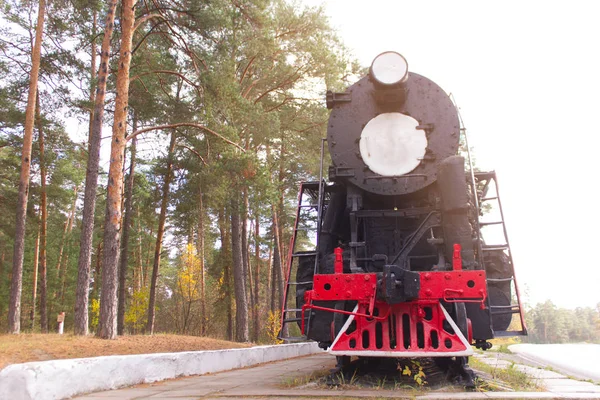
416,371
135,316
273,326
189,274
94,314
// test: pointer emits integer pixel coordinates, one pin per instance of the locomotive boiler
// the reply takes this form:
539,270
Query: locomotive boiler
388,256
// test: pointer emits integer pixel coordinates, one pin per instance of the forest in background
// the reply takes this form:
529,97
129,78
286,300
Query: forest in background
547,323
217,112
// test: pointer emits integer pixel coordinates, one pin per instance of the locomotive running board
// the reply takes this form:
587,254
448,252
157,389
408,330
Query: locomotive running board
464,348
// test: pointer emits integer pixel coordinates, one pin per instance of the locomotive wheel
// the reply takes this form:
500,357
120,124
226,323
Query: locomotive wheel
338,319
337,324
458,313
461,364
460,317
499,297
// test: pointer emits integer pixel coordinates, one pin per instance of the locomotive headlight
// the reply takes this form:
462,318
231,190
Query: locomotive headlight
389,68
391,145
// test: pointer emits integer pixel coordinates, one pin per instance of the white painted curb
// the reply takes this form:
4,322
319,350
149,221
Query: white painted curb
60,379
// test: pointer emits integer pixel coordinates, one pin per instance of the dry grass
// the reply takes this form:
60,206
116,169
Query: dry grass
512,377
37,347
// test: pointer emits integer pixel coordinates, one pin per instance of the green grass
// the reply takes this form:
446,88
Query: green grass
485,386
511,376
502,348
292,382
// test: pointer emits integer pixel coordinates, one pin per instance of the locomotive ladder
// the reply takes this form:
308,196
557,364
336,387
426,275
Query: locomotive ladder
291,315
482,248
489,177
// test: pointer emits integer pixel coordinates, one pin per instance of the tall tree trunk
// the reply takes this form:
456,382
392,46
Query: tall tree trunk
275,274
141,277
63,281
277,212
200,251
159,235
43,224
277,219
61,271
268,291
97,270
239,281
112,225
277,263
91,179
16,287
3,271
248,278
93,73
226,271
137,286
244,232
228,302
125,239
147,262
34,279
66,230
256,308
250,287
2,255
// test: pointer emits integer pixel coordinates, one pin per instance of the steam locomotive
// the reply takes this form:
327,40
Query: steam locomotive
388,257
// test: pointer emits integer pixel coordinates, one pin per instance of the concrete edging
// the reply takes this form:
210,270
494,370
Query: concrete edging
59,379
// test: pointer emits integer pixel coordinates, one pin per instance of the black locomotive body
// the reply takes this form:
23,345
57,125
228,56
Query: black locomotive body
400,267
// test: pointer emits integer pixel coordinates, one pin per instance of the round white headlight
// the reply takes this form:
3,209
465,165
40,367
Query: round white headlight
391,144
389,68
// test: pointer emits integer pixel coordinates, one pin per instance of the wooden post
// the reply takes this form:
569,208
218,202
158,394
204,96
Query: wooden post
61,322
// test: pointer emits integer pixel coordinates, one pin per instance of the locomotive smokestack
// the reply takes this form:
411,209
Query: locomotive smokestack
389,73
389,69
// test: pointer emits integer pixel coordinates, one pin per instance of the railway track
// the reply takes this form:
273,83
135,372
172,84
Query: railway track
402,373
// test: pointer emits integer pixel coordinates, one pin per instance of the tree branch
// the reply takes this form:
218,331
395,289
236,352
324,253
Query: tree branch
145,18
292,79
279,105
191,124
281,85
150,32
164,71
183,43
195,152
246,69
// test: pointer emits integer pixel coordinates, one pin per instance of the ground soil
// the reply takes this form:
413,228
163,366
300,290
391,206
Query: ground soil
37,347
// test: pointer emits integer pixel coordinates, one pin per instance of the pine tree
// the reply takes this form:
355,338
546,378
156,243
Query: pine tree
91,179
14,312
107,326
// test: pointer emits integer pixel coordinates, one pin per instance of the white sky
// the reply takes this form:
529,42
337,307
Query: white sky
526,75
